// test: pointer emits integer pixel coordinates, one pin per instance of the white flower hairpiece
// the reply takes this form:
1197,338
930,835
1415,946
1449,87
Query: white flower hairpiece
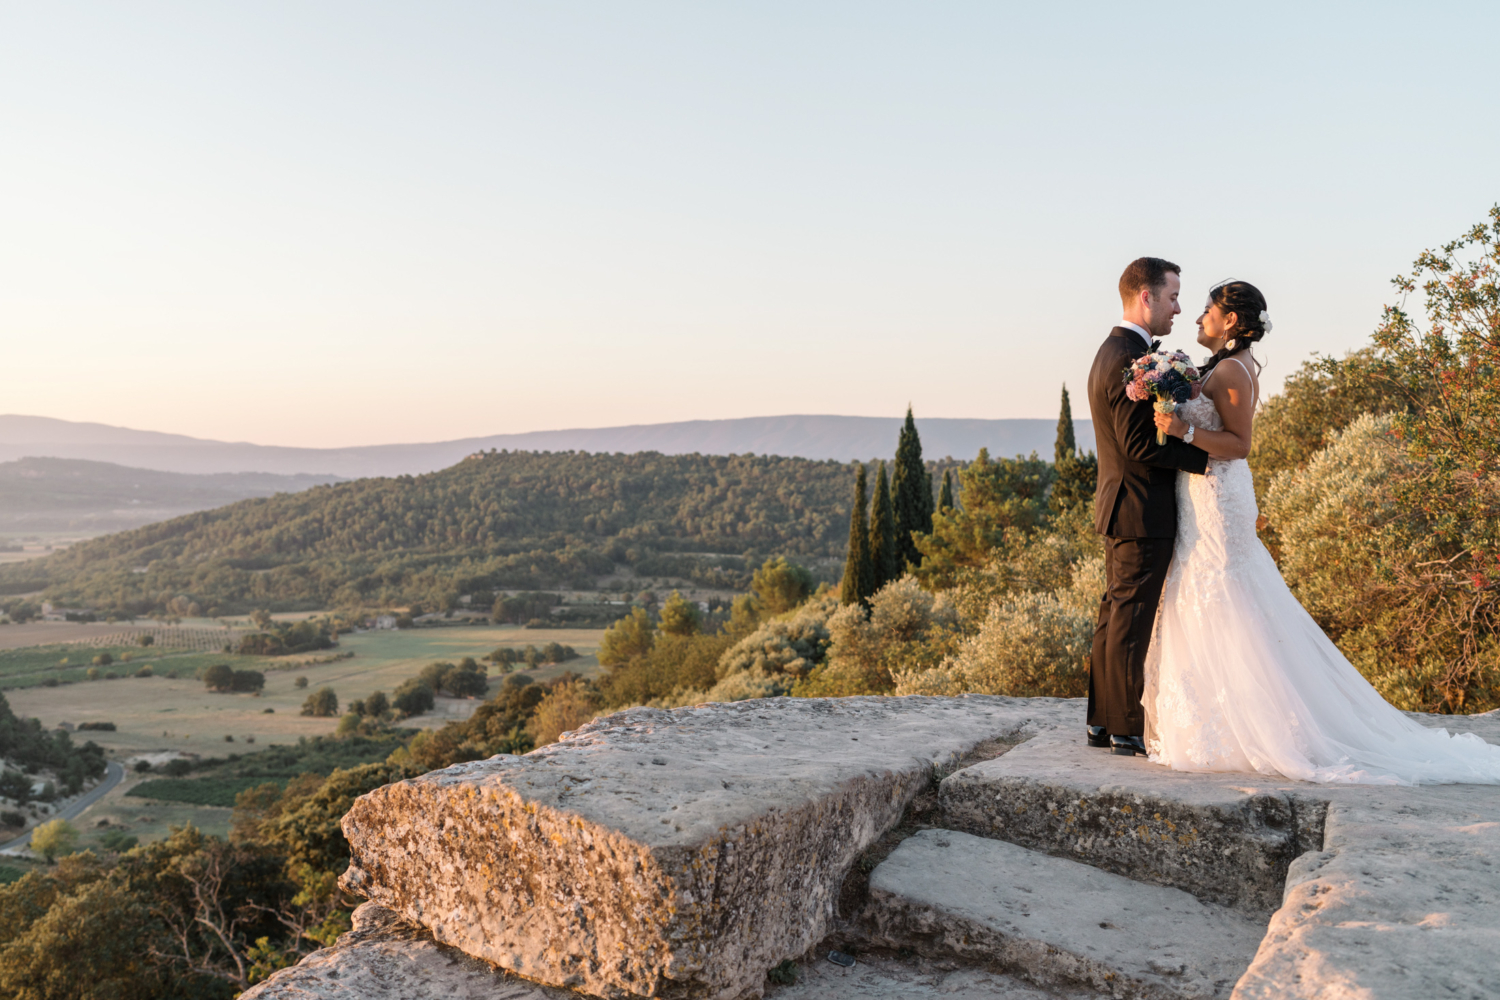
1265,321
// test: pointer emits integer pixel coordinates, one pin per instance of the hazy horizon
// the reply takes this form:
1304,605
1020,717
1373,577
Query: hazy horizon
340,225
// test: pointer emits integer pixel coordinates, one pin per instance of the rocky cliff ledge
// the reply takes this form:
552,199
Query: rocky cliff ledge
686,853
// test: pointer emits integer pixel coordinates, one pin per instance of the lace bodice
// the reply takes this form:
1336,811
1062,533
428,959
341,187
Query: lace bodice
1217,510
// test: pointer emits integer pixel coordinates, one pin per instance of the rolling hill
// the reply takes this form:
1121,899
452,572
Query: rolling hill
493,521
58,495
800,436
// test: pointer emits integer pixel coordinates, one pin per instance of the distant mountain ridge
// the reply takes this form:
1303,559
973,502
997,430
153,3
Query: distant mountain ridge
795,436
80,497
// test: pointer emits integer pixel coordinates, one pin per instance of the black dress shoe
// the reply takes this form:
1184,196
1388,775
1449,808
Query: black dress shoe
1098,737
1128,746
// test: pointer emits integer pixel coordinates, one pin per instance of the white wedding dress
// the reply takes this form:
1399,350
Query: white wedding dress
1240,678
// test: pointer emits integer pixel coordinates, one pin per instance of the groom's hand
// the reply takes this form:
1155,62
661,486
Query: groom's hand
1171,424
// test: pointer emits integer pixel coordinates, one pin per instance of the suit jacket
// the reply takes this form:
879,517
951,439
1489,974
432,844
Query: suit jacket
1137,495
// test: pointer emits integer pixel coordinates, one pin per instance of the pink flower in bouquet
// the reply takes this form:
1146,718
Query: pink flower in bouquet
1165,376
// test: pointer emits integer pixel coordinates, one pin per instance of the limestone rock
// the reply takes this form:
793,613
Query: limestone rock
664,853
1229,838
1056,920
1401,902
385,958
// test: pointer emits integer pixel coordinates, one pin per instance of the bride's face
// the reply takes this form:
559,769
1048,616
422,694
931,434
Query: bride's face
1215,327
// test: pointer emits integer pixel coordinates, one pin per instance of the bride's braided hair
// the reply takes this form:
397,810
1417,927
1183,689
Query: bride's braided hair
1248,305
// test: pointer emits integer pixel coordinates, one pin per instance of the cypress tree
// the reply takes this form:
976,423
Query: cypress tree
885,557
911,489
1077,475
859,574
945,498
1067,445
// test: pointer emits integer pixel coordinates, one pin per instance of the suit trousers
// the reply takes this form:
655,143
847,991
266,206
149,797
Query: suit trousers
1136,571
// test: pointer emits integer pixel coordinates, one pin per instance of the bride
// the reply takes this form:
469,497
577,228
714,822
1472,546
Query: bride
1239,677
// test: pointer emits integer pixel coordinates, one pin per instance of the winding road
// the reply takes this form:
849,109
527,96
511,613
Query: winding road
114,773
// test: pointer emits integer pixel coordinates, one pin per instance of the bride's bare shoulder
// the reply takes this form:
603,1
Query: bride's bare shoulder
1229,378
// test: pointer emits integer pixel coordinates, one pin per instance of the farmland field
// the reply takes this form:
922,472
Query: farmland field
162,713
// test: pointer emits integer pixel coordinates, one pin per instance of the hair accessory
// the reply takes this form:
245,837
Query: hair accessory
1229,344
1265,320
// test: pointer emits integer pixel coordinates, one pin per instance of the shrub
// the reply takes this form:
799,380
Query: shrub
1034,644
566,707
146,639
905,628
631,636
219,677
679,616
103,660
92,673
261,644
142,766
376,705
790,645
413,697
12,818
321,703
16,786
248,680
781,586
145,670
117,840
98,727
300,683
54,838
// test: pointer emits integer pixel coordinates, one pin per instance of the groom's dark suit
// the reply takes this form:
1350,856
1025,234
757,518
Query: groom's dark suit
1135,508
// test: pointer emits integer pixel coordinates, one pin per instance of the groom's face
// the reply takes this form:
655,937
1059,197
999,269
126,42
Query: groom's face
1163,306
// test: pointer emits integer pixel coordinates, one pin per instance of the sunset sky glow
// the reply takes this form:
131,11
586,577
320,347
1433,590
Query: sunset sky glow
348,223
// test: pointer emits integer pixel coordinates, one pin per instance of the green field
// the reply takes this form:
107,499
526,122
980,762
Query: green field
160,713
198,791
68,663
216,782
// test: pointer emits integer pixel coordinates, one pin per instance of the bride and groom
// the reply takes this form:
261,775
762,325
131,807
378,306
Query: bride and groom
1203,660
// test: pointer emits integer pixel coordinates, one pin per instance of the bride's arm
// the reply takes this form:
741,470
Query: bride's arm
1232,396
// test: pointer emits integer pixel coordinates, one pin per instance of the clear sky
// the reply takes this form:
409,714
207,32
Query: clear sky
322,223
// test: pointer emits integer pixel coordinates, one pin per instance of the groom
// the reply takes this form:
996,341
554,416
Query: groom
1135,508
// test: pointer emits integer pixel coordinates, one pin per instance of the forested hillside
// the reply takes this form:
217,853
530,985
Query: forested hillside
496,520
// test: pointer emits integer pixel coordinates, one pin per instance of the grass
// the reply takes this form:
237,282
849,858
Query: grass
197,791
159,713
68,663
145,819
219,781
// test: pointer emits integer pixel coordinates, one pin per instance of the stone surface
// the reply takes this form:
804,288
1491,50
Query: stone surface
1227,838
1403,901
656,853
884,977
1057,920
386,958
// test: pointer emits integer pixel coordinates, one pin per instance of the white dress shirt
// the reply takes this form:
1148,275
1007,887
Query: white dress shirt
1146,336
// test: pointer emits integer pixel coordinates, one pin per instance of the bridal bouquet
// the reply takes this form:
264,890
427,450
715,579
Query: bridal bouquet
1166,376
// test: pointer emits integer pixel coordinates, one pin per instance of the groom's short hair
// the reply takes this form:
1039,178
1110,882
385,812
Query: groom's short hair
1145,272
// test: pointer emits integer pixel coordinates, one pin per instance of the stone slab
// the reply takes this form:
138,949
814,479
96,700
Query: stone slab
885,977
1228,838
1402,903
664,853
1057,920
386,958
